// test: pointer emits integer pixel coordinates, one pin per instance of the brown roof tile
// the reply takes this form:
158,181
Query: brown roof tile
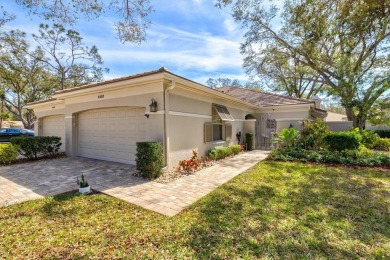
262,99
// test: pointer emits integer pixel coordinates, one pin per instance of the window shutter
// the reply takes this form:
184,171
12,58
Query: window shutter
228,132
208,132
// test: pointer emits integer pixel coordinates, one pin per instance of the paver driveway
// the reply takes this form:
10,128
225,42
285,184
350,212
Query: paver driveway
50,177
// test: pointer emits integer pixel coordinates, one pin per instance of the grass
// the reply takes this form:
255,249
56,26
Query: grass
274,210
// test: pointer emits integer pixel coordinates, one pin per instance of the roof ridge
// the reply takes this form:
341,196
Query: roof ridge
269,93
151,72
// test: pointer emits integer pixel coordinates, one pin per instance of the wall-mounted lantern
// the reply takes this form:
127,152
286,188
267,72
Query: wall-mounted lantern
153,106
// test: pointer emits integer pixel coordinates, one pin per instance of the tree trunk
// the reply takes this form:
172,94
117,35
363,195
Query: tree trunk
358,120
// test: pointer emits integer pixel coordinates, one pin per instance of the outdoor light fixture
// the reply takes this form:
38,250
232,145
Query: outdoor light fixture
153,106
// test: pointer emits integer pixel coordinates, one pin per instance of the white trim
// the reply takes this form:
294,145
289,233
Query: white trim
289,119
69,117
176,113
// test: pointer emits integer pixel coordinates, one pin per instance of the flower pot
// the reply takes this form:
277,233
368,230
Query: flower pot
85,190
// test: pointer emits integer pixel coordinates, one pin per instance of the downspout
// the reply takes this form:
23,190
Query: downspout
166,122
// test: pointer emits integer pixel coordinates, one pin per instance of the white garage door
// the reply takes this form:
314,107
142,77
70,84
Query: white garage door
54,126
111,134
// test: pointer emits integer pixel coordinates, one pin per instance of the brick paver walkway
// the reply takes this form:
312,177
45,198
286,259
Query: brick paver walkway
35,180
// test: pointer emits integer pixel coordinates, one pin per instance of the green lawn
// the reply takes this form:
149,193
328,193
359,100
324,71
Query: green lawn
275,210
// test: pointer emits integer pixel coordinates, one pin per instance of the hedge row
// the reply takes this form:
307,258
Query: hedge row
383,133
360,157
37,146
223,152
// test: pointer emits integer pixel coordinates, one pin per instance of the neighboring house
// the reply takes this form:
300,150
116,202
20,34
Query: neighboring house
105,120
339,122
12,124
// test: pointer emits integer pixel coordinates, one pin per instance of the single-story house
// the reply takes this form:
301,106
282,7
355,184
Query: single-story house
339,122
105,120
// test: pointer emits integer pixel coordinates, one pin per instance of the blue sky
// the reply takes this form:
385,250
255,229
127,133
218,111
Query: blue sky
191,38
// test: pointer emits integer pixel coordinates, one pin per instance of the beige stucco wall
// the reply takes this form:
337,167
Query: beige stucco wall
188,114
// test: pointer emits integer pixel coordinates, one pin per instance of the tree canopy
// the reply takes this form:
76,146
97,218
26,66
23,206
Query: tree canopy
74,62
132,15
344,44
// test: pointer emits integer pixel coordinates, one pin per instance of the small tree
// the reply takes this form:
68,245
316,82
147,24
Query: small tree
74,62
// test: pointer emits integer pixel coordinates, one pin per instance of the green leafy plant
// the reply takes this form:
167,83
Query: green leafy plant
288,137
82,182
37,146
249,141
312,134
8,153
150,159
368,137
339,141
223,152
382,144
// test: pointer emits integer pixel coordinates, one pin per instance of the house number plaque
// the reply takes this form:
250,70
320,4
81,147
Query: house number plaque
100,96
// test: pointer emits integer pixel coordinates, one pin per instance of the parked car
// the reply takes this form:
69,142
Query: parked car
7,133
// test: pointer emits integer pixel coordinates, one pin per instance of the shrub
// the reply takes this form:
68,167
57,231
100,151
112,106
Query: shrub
383,133
312,134
213,154
8,153
362,156
249,141
37,146
368,137
236,149
287,137
382,144
150,159
190,165
339,141
223,152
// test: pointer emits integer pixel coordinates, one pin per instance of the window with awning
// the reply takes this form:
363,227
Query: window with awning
218,129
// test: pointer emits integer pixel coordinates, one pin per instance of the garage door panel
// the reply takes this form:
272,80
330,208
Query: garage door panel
54,126
111,134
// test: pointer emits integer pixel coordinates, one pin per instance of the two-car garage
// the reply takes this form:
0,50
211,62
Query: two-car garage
106,134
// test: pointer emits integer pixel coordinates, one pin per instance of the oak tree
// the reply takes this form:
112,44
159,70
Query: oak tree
345,43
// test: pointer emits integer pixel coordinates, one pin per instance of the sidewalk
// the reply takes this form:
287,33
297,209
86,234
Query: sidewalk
171,198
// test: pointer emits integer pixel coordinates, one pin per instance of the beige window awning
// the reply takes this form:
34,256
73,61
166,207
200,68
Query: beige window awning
223,112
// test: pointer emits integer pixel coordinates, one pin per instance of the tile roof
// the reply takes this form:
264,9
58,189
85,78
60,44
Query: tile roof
262,99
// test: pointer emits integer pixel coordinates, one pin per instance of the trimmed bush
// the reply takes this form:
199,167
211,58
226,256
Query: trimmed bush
8,153
37,146
223,152
150,159
382,144
383,133
339,141
249,141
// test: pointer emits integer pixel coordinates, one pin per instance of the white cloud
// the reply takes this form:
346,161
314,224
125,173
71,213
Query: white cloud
178,48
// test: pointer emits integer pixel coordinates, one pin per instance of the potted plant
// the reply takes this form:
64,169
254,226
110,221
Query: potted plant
84,187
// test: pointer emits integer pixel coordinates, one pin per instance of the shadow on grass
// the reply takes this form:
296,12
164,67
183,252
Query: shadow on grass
294,210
